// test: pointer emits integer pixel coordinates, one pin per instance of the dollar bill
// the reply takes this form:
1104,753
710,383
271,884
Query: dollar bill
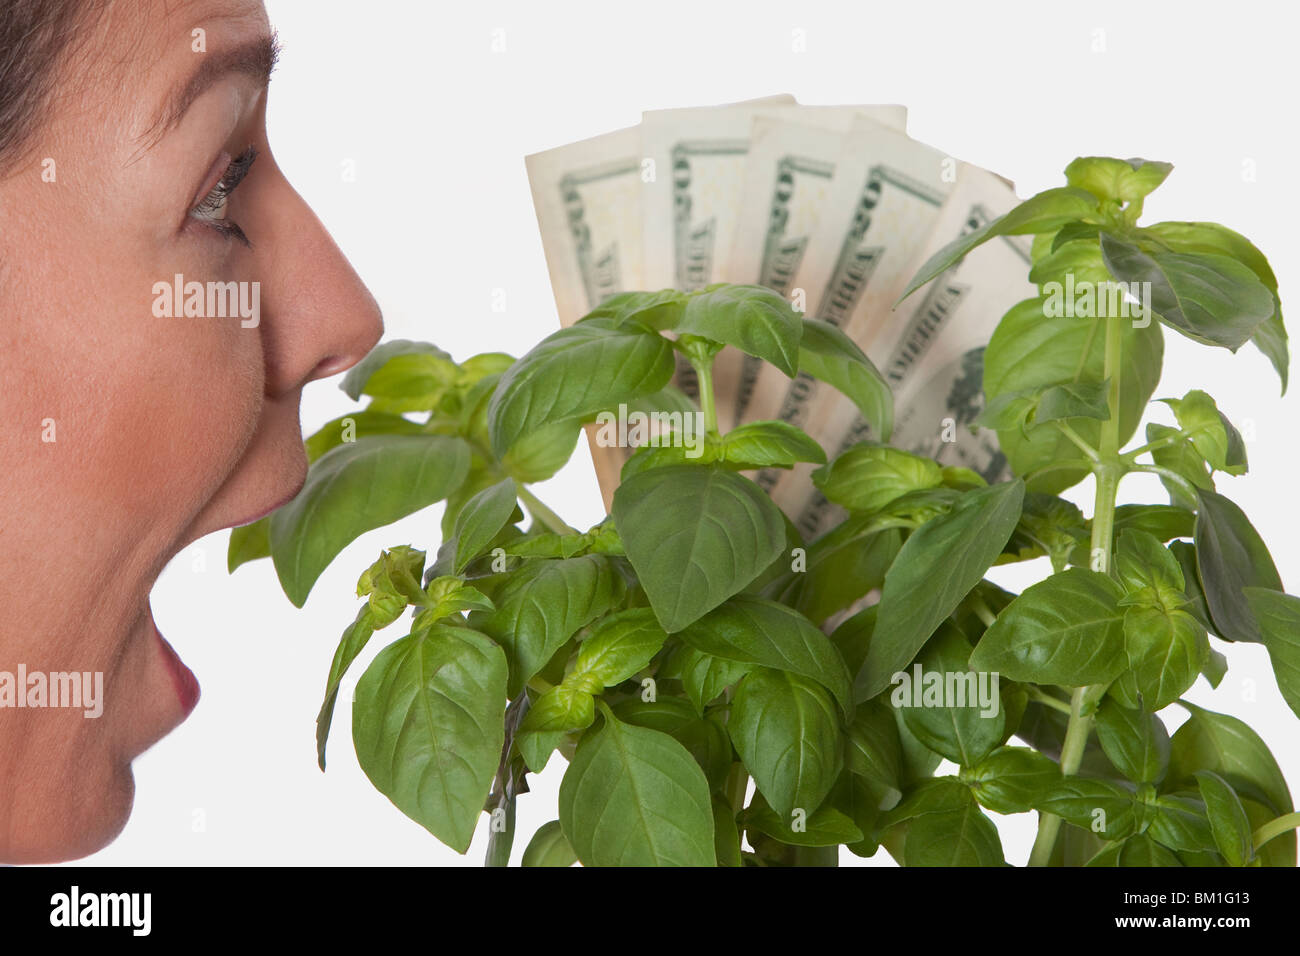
885,198
932,348
788,177
691,202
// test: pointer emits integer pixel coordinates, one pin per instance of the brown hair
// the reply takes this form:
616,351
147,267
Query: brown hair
34,35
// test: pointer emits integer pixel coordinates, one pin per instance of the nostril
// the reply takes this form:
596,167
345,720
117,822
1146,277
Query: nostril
331,365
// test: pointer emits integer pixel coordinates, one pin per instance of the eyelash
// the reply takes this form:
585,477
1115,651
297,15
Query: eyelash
211,211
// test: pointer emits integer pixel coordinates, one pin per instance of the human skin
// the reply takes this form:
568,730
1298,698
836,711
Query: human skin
166,429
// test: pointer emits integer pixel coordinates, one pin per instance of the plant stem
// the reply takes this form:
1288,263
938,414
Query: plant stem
542,513
1169,475
1275,828
1047,700
1109,469
1089,452
708,404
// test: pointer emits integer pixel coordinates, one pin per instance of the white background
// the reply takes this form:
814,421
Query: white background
440,217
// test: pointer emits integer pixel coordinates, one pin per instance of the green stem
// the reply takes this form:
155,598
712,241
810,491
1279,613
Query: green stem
1168,475
501,841
544,514
737,783
983,611
1132,456
1109,469
708,403
1275,828
1046,699
1077,439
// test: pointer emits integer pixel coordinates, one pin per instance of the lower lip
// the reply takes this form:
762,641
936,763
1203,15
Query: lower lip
183,679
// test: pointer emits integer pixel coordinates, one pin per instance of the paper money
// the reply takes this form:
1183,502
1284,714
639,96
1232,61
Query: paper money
885,198
931,350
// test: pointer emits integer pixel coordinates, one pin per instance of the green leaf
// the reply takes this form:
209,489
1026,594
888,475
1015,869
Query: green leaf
248,542
695,536
1045,212
867,477
753,318
1138,850
635,797
937,795
937,567
1136,742
769,444
656,310
353,489
1231,557
1212,435
350,645
1122,180
1065,630
1031,349
843,565
1228,820
1164,522
1180,824
703,676
356,426
543,604
1209,298
1182,459
1101,806
618,647
559,711
1013,779
427,725
1073,400
1226,746
705,738
548,847
542,452
1278,616
753,631
830,356
874,750
1165,650
961,730
1072,267
575,373
825,826
1145,565
481,520
961,837
409,376
785,729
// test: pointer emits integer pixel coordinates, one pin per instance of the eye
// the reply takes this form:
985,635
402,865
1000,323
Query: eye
212,210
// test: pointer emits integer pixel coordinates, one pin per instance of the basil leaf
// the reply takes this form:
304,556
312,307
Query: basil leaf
961,837
1180,824
726,834
352,642
1073,400
540,453
1227,817
695,536
1184,460
705,738
410,376
703,676
1165,650
1209,298
825,826
356,426
1231,556
1045,212
936,568
753,318
1145,566
634,797
248,542
575,373
427,725
769,444
356,488
843,565
559,711
660,310
960,730
830,356
1164,522
1065,630
1116,179
548,847
1136,742
1103,807
1225,745
1218,442
618,647
1066,273
1278,616
543,604
1138,850
1013,779
480,521
874,750
785,729
867,477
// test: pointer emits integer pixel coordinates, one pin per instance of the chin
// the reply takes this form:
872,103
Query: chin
86,817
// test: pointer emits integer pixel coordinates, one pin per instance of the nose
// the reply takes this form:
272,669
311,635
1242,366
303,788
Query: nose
318,317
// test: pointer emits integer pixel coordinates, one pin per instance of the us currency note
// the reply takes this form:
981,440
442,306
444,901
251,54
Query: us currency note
788,178
884,200
931,350
691,201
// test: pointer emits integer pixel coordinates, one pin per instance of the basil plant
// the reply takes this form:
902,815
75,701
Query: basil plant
691,643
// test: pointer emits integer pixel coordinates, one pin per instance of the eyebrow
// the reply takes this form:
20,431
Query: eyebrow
255,59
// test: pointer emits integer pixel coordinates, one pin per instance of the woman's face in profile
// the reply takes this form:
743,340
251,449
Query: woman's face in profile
134,426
